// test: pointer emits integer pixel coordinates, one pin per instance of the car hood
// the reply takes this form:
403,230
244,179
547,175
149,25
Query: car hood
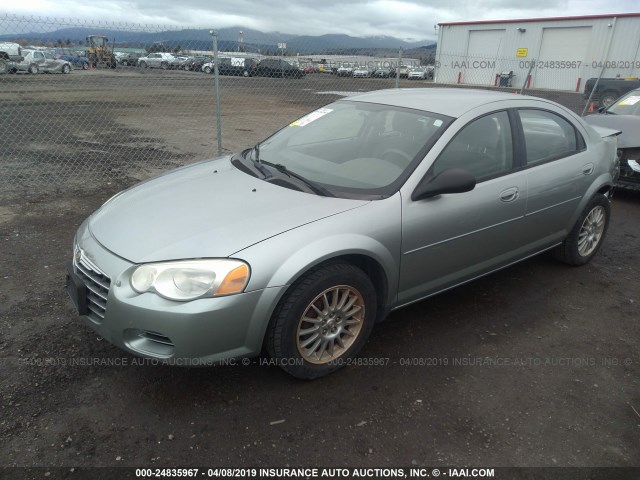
210,209
629,125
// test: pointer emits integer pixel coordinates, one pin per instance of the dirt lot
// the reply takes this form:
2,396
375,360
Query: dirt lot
536,365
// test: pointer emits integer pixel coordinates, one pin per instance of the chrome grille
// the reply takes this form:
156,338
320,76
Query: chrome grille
97,286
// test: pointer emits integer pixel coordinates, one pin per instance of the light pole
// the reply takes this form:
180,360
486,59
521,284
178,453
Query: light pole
214,38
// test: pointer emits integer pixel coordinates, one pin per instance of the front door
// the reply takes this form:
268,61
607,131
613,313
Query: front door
451,238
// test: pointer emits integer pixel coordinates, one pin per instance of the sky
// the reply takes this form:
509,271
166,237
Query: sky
411,20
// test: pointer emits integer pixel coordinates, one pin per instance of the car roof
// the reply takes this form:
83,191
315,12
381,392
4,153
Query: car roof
452,102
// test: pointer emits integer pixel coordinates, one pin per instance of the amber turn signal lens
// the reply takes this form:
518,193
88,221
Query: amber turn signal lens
235,281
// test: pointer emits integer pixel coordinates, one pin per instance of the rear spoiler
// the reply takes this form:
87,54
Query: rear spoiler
605,132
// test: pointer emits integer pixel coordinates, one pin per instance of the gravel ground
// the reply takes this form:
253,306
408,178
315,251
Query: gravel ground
536,365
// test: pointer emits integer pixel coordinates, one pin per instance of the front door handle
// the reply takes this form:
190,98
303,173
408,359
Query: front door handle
587,169
510,194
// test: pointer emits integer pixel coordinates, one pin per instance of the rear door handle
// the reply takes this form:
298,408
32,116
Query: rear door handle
510,194
587,169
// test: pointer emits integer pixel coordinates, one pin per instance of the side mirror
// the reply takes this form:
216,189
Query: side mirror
451,180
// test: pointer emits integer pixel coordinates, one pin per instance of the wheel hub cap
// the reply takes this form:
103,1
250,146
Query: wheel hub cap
330,324
591,231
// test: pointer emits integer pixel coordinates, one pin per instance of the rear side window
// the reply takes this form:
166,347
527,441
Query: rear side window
483,147
548,136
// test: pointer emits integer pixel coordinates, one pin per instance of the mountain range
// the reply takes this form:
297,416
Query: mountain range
200,39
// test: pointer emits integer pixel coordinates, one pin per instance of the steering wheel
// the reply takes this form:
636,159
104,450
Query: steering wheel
393,154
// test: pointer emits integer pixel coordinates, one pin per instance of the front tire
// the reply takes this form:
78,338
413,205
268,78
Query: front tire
85,65
143,64
587,235
207,69
33,69
66,69
323,321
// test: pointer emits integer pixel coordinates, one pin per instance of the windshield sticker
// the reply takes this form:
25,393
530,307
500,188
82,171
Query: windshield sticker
313,116
632,100
437,123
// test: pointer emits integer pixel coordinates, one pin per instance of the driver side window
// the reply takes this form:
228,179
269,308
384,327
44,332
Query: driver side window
483,147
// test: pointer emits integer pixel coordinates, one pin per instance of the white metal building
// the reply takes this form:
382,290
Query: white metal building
564,51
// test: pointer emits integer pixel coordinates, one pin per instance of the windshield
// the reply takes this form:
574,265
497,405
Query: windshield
628,104
355,147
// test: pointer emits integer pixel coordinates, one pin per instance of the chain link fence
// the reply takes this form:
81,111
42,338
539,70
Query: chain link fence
94,101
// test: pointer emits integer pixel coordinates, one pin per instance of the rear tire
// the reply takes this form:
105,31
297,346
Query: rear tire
85,65
587,235
33,69
66,69
323,320
207,69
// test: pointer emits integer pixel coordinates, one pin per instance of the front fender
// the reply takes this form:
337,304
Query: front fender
373,230
338,246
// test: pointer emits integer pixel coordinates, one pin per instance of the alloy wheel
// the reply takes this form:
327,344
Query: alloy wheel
591,231
330,324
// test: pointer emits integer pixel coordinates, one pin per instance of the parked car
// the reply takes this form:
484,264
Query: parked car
345,70
177,62
403,71
624,115
383,73
417,73
245,67
361,72
38,61
355,210
9,54
272,67
609,89
208,67
156,60
195,63
71,56
128,59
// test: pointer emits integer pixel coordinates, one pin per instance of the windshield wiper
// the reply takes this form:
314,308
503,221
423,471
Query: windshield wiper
255,158
312,185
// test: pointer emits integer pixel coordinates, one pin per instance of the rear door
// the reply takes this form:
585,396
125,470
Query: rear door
559,171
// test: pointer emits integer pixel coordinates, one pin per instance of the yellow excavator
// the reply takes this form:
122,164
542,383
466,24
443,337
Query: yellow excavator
99,52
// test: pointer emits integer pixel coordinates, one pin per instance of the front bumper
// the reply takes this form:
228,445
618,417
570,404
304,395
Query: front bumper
629,177
199,332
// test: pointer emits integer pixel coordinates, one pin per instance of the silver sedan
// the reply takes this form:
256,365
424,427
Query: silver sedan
302,243
37,61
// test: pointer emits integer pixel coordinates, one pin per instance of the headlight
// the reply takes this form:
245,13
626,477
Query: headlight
191,279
